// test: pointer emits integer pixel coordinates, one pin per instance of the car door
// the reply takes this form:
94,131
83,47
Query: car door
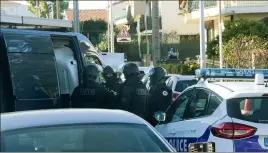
174,129
33,69
199,115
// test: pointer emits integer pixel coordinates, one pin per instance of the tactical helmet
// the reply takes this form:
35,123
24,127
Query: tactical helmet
130,69
157,74
92,71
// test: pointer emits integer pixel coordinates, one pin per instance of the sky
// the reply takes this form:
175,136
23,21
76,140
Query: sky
85,4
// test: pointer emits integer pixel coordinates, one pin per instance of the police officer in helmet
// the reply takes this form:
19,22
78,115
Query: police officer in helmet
160,95
111,81
133,94
90,94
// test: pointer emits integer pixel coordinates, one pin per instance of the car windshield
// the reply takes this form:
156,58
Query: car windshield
83,138
249,109
182,85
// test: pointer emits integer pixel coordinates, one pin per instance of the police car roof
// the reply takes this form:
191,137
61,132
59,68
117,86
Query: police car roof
234,89
26,119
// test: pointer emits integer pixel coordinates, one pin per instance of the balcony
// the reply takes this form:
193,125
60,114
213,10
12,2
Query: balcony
211,8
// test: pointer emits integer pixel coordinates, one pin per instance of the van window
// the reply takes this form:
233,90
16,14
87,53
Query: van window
28,43
34,76
32,66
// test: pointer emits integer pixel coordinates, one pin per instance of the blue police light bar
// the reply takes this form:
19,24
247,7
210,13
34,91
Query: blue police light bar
230,73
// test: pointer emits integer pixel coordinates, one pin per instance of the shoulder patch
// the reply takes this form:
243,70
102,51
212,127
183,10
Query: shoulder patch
165,93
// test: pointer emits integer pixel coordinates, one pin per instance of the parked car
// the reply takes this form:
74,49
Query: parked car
79,130
178,83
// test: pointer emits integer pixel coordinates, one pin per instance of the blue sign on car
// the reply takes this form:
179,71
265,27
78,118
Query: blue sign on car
266,142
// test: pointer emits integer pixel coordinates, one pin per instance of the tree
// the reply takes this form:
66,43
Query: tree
94,29
234,30
246,52
63,5
103,45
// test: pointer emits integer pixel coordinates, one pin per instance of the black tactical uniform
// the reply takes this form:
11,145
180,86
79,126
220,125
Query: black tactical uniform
133,95
90,94
111,80
160,95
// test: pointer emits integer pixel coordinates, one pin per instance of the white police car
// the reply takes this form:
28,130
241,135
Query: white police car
230,115
79,130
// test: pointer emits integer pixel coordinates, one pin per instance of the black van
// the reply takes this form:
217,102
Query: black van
36,66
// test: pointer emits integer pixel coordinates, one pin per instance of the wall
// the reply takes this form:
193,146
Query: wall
16,9
171,20
119,10
137,7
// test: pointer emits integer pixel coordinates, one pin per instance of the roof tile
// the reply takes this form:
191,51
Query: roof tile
85,15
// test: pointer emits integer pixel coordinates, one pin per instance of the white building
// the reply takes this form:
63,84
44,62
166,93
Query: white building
230,10
174,20
15,8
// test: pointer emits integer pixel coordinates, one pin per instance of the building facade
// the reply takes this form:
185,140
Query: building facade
15,8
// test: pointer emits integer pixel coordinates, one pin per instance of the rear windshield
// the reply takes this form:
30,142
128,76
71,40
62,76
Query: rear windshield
249,109
83,138
182,85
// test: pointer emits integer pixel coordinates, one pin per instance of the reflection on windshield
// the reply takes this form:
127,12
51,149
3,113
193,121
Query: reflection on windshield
84,138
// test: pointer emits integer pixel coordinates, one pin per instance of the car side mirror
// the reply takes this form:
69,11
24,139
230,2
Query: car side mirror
160,116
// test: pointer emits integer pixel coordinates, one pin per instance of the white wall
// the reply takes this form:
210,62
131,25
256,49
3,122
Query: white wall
16,9
172,21
119,10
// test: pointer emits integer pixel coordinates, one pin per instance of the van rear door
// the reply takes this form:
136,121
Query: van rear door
33,69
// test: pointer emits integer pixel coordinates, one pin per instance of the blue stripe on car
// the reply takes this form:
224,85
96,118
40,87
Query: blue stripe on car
250,144
181,143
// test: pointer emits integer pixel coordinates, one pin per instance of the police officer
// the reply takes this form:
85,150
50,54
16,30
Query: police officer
160,95
111,81
133,94
91,94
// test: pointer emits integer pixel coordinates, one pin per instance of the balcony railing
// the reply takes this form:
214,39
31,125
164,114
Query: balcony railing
193,5
244,3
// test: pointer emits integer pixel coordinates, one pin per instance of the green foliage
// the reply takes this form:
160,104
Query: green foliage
250,29
95,30
103,45
246,52
244,27
63,5
182,69
213,48
129,15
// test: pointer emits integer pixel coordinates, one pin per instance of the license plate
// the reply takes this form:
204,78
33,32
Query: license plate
266,142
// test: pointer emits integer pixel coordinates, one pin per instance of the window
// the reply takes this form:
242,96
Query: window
177,109
84,138
182,85
198,104
34,76
249,109
92,59
214,102
32,66
170,83
28,43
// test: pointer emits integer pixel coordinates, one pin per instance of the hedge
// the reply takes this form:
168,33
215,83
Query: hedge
182,69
